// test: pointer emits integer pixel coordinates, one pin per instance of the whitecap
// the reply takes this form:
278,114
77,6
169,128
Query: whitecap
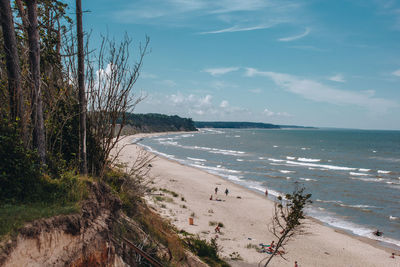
276,160
383,172
291,158
330,167
239,160
358,174
308,179
305,148
196,159
308,160
393,218
368,179
364,170
276,146
286,171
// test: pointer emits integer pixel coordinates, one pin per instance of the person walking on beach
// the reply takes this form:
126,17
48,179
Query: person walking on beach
216,190
266,192
295,264
226,192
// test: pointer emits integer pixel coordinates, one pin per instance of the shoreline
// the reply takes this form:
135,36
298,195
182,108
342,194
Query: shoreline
317,226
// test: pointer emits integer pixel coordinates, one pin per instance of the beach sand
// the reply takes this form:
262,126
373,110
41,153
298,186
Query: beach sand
245,219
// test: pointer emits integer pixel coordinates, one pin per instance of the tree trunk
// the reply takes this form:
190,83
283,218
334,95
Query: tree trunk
81,85
16,97
39,139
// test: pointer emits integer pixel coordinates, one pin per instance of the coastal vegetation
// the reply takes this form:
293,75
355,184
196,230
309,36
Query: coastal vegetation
154,122
244,125
64,105
287,220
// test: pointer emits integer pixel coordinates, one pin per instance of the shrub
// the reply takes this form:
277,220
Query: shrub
207,251
19,170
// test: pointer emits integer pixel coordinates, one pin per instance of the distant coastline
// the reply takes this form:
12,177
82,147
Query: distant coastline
245,125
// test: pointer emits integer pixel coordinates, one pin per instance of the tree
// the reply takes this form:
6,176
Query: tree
16,98
81,85
287,220
39,138
110,97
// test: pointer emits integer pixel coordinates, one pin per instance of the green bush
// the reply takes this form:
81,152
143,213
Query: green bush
19,170
207,251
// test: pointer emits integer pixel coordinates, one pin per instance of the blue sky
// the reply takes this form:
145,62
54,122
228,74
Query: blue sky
316,62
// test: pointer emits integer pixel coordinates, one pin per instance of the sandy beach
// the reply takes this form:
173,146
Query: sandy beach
245,216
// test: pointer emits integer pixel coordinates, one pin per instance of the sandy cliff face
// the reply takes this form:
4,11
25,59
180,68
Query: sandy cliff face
73,240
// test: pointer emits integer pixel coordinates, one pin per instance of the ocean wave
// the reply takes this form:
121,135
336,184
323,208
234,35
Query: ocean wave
291,158
212,131
214,150
354,228
364,170
368,179
340,203
330,167
276,160
217,169
308,179
393,218
286,171
239,159
157,152
358,174
305,148
196,159
308,160
384,172
263,189
186,135
276,146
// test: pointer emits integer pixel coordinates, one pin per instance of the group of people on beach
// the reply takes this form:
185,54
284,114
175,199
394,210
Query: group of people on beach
216,192
226,191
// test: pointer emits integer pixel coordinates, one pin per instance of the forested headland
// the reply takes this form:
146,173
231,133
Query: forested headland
154,122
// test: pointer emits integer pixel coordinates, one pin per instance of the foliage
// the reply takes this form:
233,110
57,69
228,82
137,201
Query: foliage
207,251
161,230
57,196
287,219
235,256
14,216
153,122
232,124
19,171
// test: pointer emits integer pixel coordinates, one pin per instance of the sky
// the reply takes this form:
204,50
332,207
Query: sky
316,63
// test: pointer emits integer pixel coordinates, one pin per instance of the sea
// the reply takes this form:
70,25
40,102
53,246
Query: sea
353,175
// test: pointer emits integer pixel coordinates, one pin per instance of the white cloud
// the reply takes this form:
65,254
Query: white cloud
396,73
192,105
220,71
337,78
227,15
224,104
319,92
296,37
241,28
270,113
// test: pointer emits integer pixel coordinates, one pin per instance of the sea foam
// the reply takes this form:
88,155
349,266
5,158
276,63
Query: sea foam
330,167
